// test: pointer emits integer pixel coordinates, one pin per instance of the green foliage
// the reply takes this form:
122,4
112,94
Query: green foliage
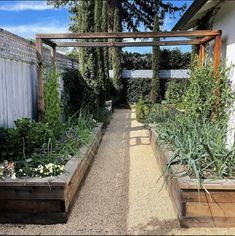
53,104
136,88
169,59
199,147
103,115
161,113
143,108
155,94
134,13
37,152
175,91
116,57
199,100
199,144
76,93
25,139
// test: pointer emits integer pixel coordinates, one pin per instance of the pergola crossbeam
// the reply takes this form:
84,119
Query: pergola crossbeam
127,44
197,33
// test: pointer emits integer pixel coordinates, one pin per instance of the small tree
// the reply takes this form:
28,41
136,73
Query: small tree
155,96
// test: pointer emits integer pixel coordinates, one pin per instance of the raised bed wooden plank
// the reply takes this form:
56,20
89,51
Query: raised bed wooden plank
46,200
193,205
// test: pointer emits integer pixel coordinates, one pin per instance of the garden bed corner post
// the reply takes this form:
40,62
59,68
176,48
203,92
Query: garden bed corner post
217,58
202,54
40,92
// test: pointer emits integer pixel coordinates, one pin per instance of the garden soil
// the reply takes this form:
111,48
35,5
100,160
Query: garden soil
121,193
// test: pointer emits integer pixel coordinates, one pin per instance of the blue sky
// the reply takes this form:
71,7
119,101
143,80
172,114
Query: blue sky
26,18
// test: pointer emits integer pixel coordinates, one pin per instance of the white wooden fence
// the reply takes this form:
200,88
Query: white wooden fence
18,77
164,74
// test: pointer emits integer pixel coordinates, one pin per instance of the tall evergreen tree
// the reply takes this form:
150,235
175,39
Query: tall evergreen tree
88,55
116,57
155,95
105,50
100,53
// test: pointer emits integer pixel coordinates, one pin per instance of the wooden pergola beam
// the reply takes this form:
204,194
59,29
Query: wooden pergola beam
127,44
202,54
206,39
197,33
40,89
49,43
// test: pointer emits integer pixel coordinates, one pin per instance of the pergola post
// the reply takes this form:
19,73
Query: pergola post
53,56
217,93
202,54
40,93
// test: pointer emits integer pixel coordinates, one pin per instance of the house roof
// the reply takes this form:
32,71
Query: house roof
196,11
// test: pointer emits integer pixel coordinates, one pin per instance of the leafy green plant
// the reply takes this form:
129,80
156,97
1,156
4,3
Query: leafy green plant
200,149
53,104
36,151
175,91
199,99
27,137
103,115
161,113
143,108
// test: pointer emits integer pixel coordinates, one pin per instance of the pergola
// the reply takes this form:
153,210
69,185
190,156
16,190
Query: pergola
199,37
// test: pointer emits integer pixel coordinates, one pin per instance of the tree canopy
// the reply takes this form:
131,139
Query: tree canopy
133,12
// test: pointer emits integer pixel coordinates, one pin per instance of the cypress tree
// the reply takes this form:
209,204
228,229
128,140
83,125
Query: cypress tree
155,96
116,57
105,50
88,55
100,53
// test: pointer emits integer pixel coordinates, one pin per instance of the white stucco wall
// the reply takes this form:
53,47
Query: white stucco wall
225,20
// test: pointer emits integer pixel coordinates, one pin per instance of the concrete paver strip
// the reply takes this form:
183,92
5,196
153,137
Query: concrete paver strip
120,194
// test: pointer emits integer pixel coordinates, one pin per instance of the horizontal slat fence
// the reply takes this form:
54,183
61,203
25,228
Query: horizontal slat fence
18,77
164,74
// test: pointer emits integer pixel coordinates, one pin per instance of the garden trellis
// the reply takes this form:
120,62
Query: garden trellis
199,37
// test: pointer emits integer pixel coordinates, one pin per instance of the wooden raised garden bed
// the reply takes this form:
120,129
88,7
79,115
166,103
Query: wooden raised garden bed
46,200
215,209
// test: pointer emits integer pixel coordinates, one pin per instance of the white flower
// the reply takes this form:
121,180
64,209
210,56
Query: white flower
13,176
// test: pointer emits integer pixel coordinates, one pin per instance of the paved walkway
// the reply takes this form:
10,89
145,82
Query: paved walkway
120,194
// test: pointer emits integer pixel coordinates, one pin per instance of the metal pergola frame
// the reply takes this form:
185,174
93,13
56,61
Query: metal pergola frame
199,37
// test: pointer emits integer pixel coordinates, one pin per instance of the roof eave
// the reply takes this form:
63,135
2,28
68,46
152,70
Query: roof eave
192,10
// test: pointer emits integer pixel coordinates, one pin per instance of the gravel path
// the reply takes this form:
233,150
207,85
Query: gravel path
120,194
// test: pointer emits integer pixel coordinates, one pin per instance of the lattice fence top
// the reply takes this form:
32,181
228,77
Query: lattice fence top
17,48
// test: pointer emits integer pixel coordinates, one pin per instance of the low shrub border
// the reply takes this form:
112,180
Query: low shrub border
210,206
46,200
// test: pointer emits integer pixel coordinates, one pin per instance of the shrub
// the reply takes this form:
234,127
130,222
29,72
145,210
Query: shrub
31,149
161,113
25,139
135,88
143,108
199,99
175,91
103,115
53,103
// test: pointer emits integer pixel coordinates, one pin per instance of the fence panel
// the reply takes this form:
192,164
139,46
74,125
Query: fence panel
164,74
18,77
